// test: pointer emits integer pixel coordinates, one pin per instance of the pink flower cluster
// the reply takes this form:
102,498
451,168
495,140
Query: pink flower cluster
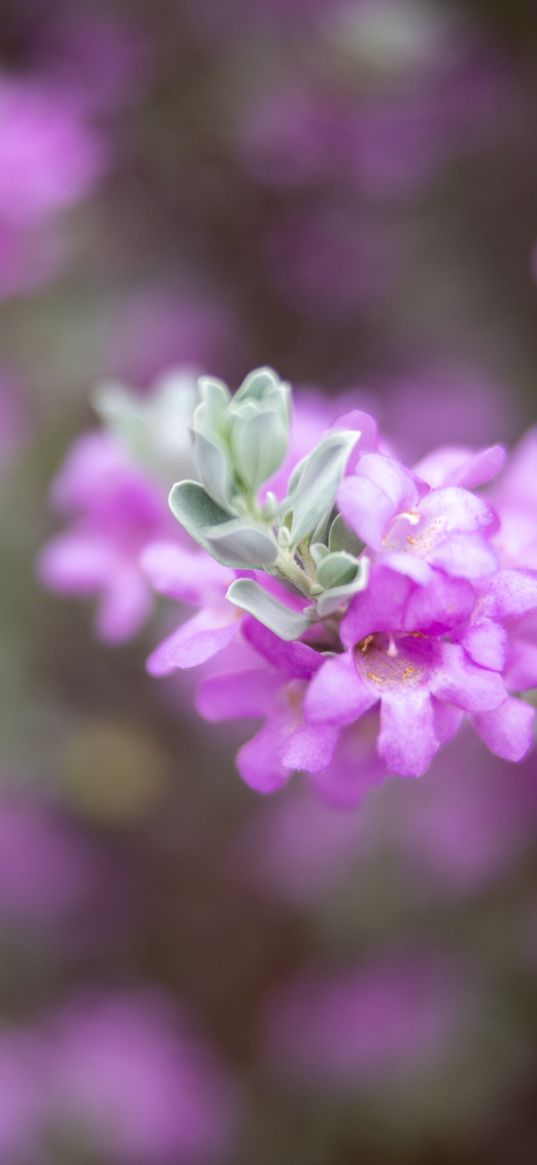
446,629
121,1077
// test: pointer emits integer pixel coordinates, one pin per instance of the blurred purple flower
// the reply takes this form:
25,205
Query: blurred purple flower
297,847
129,1073
116,510
46,869
357,1027
470,821
49,158
444,403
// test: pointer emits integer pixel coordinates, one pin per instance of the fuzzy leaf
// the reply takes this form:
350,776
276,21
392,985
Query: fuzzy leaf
257,385
314,483
337,569
190,503
213,468
339,596
258,441
318,551
342,538
249,596
215,400
241,543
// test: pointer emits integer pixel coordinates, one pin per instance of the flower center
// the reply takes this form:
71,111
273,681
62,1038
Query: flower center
390,660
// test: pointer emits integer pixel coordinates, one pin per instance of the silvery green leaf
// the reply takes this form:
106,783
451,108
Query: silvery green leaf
270,507
337,569
241,543
264,387
122,412
339,596
258,443
256,384
213,468
215,397
154,429
318,551
342,538
320,534
249,596
314,491
190,503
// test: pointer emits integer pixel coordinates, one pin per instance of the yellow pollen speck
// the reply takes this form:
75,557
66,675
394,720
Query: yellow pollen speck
366,643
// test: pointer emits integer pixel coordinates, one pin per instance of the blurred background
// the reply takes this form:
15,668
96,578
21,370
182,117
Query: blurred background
190,973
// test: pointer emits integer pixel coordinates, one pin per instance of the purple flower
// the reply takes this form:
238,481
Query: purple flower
424,609
469,821
130,1073
435,403
413,530
49,159
417,655
192,578
515,499
439,634
115,510
45,869
364,1025
297,847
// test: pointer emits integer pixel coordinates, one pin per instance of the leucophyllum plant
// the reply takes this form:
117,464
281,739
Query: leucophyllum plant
363,615
359,609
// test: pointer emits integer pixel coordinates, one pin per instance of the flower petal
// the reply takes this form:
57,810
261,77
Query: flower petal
486,644
259,761
183,574
291,658
194,642
379,608
447,720
463,683
125,605
465,556
237,695
510,593
439,607
76,564
508,730
455,510
407,740
457,465
355,766
521,671
337,694
369,500
310,747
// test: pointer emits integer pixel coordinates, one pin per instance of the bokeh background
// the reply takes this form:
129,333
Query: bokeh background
189,972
